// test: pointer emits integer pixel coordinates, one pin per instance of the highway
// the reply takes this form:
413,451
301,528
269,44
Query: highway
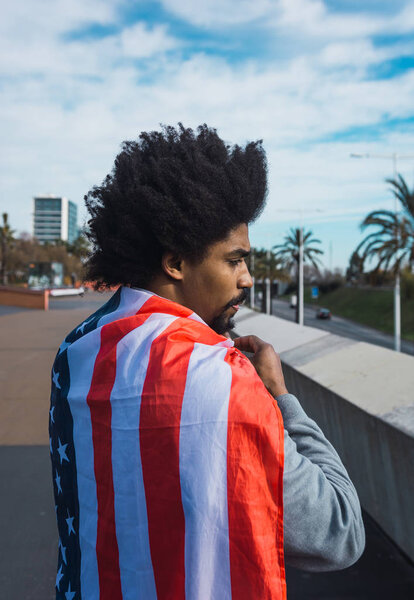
340,326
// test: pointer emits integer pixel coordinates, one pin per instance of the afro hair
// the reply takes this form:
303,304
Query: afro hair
175,190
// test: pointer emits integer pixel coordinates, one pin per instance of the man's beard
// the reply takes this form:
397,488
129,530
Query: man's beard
223,323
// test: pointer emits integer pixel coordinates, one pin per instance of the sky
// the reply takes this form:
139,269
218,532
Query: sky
317,80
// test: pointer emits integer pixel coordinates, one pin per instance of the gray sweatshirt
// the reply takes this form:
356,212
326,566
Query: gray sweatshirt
323,528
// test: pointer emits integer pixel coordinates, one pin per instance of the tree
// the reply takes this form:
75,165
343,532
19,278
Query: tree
26,250
6,242
391,245
288,254
80,247
266,265
355,268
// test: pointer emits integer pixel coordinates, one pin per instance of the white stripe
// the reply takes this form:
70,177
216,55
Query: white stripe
194,316
81,363
131,302
203,474
137,576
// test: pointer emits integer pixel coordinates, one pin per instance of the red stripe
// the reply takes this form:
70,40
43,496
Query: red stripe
161,404
168,558
98,400
254,486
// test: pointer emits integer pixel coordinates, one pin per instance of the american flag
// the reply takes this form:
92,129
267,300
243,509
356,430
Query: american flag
167,459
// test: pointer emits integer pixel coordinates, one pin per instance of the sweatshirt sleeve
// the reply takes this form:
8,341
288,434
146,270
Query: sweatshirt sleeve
323,528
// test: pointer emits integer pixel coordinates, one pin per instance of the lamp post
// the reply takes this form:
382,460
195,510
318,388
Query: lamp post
268,284
397,296
252,291
300,290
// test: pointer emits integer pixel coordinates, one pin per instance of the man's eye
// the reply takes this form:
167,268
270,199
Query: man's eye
236,261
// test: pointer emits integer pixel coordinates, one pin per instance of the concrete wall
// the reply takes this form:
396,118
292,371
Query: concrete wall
16,296
362,397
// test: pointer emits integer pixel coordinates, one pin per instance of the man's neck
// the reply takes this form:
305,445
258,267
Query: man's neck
166,289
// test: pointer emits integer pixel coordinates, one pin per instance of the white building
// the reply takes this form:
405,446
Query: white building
54,218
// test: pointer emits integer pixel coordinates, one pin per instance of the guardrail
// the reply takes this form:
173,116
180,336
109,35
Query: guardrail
361,396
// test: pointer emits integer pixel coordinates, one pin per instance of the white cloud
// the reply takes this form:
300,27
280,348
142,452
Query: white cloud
311,17
295,17
67,105
139,41
218,13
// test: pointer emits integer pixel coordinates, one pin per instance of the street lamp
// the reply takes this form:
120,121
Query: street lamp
268,284
397,297
252,290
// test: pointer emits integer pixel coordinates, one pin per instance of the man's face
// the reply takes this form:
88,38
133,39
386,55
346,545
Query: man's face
214,287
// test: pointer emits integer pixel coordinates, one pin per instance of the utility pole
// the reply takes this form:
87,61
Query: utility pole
397,296
253,279
268,295
397,292
300,294
330,256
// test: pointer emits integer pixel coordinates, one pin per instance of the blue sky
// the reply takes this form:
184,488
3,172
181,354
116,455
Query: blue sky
316,80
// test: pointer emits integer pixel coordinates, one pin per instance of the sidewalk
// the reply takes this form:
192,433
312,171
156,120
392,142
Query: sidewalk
28,547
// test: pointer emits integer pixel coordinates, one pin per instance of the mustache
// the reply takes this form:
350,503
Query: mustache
242,297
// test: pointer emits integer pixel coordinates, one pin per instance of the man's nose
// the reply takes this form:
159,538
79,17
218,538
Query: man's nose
245,280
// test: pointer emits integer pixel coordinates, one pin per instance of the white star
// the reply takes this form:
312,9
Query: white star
50,445
63,346
62,451
63,551
69,522
69,594
55,377
51,411
59,576
57,479
83,325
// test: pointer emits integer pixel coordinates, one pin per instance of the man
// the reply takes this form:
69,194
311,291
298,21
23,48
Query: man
177,462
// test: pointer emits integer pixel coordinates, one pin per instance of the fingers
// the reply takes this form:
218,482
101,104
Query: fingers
249,343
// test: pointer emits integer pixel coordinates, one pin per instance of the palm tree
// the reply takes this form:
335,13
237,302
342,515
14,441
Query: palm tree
288,253
391,245
6,241
263,265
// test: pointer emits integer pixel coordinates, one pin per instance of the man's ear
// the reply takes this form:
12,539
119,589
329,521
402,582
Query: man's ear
171,265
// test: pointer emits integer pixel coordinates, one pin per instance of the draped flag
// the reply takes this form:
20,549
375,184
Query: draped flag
167,458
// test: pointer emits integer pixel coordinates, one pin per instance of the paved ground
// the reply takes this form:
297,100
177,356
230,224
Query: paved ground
29,544
340,326
28,549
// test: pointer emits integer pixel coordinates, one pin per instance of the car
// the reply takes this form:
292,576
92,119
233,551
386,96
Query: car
323,313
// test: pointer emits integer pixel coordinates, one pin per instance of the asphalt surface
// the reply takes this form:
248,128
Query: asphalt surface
280,308
89,301
28,540
340,326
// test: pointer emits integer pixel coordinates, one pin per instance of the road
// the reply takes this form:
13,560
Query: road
341,326
337,325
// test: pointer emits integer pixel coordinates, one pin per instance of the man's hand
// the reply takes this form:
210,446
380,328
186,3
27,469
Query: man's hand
265,361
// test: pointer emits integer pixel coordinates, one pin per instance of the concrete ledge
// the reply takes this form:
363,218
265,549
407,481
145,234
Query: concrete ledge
17,296
361,395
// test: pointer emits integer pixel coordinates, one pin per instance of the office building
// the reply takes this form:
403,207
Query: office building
54,218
